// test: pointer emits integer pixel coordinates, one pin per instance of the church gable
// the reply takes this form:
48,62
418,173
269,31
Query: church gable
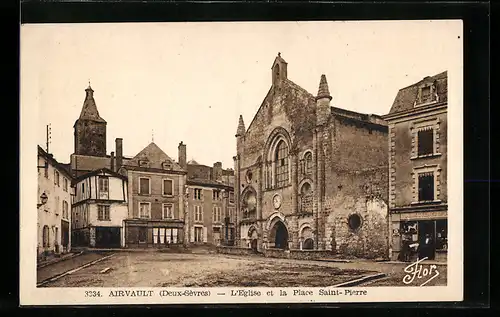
289,106
154,157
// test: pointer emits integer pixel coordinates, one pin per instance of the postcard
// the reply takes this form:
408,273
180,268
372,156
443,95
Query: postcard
241,162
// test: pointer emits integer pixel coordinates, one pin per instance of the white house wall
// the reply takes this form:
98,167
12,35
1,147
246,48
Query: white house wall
50,214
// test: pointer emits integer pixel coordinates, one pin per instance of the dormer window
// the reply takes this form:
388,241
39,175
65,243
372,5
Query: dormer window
143,163
167,165
426,94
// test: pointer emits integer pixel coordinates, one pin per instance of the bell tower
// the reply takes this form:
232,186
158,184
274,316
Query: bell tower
279,70
90,128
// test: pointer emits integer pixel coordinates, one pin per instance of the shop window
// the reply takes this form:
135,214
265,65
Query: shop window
354,222
426,186
425,140
441,235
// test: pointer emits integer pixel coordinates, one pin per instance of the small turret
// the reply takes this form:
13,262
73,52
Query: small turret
323,102
240,134
241,127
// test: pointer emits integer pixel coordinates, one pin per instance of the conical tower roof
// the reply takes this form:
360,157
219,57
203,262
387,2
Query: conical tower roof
89,109
323,91
241,127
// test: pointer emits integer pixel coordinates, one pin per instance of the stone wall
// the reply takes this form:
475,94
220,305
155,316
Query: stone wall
278,253
234,250
297,254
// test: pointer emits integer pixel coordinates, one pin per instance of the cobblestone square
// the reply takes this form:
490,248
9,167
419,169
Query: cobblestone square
157,269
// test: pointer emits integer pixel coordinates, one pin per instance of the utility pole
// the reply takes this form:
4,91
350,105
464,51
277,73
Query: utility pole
48,136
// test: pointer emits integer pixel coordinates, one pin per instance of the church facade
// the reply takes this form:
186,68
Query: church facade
309,176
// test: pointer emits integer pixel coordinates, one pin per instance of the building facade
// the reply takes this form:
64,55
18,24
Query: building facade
156,205
211,217
99,208
311,176
418,166
54,203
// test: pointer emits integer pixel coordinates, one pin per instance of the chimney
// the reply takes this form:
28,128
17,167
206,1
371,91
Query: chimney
119,152
112,163
217,171
182,155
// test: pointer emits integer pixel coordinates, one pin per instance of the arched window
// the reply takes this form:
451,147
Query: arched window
45,238
306,198
308,163
281,164
277,71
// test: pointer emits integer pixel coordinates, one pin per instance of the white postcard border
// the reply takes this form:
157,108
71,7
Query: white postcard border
31,295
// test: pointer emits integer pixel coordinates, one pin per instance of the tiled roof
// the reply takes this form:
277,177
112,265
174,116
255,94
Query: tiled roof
100,171
406,97
155,156
208,183
50,158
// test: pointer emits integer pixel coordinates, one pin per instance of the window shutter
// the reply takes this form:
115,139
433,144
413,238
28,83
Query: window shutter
191,239
204,234
201,194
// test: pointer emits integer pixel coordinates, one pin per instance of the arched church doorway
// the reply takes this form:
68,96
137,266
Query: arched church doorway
253,245
280,235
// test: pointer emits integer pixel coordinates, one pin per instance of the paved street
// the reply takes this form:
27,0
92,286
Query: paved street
156,269
66,265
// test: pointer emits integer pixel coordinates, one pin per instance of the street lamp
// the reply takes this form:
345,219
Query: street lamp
43,200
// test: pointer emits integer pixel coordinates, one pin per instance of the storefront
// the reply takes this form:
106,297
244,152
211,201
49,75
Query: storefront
143,234
420,234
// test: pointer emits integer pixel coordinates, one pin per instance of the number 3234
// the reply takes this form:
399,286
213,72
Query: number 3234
92,294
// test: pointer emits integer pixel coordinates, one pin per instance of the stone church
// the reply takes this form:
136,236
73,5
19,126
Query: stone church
310,175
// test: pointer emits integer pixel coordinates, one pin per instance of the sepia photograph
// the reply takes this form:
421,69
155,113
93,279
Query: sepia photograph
277,161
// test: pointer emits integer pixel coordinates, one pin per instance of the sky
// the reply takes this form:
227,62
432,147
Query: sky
189,82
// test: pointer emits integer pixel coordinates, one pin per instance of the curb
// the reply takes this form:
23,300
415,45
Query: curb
334,260
59,260
55,278
361,280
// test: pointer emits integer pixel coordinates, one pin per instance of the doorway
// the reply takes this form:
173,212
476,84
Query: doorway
427,229
107,237
280,235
